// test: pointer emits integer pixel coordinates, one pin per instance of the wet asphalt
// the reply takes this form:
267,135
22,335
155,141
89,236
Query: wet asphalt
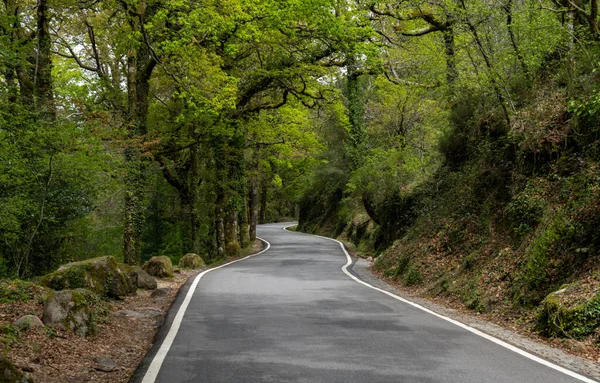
291,315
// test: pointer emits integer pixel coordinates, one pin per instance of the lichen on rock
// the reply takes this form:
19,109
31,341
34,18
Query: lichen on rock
68,310
160,267
191,261
101,275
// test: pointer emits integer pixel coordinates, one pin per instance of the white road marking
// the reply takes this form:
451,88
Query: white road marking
157,361
455,322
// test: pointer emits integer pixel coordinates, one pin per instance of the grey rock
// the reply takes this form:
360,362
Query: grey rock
162,292
29,321
130,313
151,314
137,277
145,280
68,310
160,267
104,363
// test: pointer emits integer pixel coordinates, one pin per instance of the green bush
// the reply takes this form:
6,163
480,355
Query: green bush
526,208
413,277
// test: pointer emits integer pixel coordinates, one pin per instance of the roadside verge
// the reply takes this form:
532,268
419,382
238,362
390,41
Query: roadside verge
540,353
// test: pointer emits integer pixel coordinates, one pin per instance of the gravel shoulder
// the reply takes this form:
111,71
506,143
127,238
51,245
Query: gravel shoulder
362,269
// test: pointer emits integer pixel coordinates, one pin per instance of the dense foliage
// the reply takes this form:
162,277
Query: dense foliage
150,127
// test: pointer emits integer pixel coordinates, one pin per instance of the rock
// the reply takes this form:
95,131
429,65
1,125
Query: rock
565,313
152,314
145,281
191,261
29,321
132,282
9,373
68,310
131,314
101,275
370,259
138,277
162,292
104,363
160,267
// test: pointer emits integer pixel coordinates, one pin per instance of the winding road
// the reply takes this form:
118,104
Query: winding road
291,314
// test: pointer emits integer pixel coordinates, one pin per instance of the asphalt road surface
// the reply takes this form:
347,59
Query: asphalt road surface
291,315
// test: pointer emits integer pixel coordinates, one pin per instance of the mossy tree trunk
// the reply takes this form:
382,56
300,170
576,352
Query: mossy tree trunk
264,192
140,64
253,209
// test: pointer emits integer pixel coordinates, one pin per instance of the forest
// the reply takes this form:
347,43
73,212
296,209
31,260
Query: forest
454,141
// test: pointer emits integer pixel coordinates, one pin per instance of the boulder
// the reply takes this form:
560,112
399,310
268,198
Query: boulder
68,310
142,279
29,321
191,261
9,373
100,275
569,312
160,267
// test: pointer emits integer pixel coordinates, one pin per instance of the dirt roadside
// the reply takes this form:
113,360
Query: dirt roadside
125,332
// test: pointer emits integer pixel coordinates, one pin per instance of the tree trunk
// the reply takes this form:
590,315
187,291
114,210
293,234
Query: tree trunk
194,184
140,67
220,223
253,209
490,66
509,23
450,50
43,72
244,226
356,111
232,245
263,203
133,208
593,20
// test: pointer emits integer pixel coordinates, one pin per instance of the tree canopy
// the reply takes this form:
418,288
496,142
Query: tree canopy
150,127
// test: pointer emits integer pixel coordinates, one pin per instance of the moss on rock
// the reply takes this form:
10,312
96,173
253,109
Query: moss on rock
68,310
135,275
9,373
565,313
101,275
160,267
191,261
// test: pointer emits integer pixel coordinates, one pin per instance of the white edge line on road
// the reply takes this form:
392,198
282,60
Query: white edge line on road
455,322
157,361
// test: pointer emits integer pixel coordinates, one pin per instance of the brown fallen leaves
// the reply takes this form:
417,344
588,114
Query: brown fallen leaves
55,356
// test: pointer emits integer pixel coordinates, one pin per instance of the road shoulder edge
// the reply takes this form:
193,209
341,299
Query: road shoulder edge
148,369
548,358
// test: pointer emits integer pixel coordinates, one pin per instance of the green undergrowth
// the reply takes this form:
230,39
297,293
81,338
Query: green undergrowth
18,291
499,230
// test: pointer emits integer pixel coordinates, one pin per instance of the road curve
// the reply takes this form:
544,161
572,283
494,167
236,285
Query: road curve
291,315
